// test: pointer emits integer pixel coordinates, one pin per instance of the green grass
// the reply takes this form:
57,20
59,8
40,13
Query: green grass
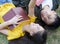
3,39
53,36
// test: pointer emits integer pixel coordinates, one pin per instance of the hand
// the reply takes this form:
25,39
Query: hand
33,28
15,19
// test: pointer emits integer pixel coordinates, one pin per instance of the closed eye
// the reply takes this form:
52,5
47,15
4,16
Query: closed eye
49,17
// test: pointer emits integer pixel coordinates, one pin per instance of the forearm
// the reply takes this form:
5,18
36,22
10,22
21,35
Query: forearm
3,25
31,7
32,3
12,34
4,31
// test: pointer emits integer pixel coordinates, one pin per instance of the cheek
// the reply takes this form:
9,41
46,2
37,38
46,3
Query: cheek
44,18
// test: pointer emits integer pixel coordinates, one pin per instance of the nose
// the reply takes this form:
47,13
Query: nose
45,17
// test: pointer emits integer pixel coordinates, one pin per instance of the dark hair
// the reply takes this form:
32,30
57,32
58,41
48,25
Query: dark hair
27,39
55,24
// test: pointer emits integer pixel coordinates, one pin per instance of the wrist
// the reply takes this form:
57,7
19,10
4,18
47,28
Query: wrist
9,22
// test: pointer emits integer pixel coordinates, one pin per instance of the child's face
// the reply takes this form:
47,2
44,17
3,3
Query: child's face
48,16
33,28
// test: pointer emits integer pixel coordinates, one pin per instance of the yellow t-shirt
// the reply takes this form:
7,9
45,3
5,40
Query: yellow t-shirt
4,9
17,31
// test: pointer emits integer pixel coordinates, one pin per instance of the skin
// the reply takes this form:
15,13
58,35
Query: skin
31,7
31,28
48,15
28,28
14,20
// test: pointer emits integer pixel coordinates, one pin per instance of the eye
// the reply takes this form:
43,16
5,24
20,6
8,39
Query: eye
49,17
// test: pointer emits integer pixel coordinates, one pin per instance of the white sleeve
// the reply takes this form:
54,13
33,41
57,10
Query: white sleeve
47,2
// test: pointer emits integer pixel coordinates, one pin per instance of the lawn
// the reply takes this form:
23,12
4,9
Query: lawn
53,36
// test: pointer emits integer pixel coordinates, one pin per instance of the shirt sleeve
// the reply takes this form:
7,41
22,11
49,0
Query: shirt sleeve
32,18
47,2
15,33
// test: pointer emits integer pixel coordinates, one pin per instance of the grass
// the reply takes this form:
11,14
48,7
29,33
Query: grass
3,39
53,36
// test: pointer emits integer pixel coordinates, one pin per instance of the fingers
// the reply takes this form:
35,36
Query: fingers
15,19
20,19
18,16
17,23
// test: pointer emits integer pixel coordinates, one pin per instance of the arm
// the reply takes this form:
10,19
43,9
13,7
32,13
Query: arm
31,7
31,10
13,34
14,20
3,25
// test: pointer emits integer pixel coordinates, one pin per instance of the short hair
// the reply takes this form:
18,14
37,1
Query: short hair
55,24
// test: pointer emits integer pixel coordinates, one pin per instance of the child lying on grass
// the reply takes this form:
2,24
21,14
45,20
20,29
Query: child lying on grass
16,32
31,28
